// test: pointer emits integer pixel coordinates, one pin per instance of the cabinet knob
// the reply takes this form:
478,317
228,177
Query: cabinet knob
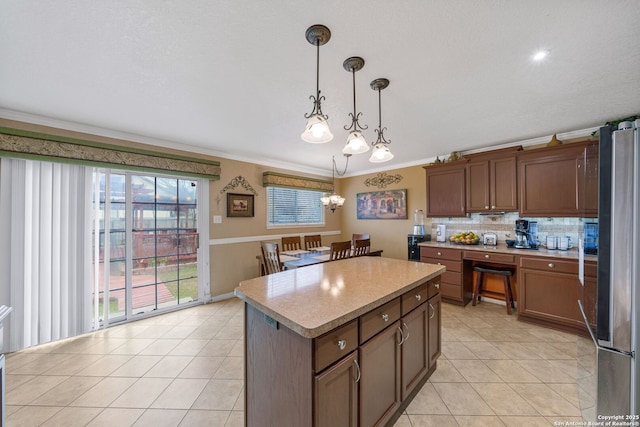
486,207
385,317
493,206
342,344
439,253
418,297
436,285
551,265
487,256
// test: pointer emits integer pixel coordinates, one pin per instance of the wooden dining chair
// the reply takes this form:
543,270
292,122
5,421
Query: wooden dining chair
355,237
311,242
291,243
270,257
340,250
362,247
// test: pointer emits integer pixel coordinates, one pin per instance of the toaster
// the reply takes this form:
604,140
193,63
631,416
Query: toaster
490,239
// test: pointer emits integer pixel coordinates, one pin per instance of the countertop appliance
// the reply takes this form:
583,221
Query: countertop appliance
526,234
441,233
412,245
489,239
418,222
615,327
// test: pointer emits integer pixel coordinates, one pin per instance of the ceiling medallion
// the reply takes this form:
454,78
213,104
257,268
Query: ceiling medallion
382,180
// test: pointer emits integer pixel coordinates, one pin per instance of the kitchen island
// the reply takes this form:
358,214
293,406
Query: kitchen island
346,342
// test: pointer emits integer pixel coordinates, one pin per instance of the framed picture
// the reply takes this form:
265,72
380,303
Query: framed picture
389,204
239,205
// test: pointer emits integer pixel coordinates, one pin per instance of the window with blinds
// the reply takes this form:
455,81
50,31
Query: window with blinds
291,207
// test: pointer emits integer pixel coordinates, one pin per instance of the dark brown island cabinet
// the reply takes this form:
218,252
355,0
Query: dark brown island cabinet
360,373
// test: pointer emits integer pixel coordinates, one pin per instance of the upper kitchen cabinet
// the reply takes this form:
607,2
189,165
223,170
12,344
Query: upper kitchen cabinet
491,179
559,181
446,189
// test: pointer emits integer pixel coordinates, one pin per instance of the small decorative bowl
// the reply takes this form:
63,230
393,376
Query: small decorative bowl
510,243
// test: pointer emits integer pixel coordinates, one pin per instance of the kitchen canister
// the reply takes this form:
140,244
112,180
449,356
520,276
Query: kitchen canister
564,243
552,242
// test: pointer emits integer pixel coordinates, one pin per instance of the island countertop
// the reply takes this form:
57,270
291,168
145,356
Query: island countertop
318,298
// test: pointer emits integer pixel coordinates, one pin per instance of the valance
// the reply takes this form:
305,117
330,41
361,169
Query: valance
53,148
273,179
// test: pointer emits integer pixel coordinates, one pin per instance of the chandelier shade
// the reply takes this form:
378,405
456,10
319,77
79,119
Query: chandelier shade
356,143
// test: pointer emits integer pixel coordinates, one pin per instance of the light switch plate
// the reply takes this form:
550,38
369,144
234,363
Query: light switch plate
217,219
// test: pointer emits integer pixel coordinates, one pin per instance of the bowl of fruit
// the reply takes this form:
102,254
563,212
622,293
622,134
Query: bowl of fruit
465,238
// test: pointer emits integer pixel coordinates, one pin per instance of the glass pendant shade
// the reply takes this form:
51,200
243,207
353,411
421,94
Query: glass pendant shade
317,130
356,144
333,201
380,154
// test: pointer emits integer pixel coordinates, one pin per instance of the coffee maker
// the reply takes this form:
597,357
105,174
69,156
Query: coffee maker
526,234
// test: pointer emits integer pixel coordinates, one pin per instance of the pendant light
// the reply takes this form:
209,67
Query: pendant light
317,130
334,200
356,144
381,152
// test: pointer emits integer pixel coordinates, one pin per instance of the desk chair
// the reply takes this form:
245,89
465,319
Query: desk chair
340,250
362,247
291,243
270,257
311,242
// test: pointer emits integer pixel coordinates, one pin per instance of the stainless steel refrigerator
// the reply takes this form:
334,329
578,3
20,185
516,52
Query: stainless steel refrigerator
615,327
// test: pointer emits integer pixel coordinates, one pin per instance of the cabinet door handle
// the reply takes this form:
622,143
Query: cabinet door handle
385,317
433,311
404,325
355,361
551,265
342,344
401,335
487,256
436,285
418,297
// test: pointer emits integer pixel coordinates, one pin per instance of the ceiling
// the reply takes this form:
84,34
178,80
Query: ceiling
232,78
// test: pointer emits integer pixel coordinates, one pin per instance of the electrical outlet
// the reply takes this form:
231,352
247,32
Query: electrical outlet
217,219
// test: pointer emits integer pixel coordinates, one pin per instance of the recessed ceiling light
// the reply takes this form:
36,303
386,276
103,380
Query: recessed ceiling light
541,54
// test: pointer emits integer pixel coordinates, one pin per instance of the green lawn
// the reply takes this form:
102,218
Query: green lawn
188,287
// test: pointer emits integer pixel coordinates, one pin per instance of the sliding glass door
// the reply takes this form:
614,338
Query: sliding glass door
145,244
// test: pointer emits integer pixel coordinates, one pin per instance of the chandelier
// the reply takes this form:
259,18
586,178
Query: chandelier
317,130
334,200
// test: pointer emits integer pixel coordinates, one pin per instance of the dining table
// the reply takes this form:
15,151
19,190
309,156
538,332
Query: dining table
301,258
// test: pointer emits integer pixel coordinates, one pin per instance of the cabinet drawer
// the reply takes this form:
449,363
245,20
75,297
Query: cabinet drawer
490,257
452,278
590,269
447,290
449,264
377,319
414,298
550,264
452,254
335,344
433,287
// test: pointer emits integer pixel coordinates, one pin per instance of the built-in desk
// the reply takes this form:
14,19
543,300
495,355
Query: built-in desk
546,281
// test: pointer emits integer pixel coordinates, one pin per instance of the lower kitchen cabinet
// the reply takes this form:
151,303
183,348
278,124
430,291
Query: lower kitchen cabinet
415,348
548,293
336,394
434,323
455,287
380,366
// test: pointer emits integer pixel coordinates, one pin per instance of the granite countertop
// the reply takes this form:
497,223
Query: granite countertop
571,254
318,298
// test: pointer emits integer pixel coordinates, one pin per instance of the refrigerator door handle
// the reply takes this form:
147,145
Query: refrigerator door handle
595,341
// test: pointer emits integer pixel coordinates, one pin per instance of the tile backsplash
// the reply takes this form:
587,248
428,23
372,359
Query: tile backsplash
503,225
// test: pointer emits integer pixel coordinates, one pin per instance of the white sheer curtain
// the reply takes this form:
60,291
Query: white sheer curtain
45,250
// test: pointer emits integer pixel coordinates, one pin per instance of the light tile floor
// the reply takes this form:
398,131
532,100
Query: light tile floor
186,369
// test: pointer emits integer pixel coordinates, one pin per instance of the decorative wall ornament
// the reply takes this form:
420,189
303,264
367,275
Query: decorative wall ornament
53,148
238,181
382,180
